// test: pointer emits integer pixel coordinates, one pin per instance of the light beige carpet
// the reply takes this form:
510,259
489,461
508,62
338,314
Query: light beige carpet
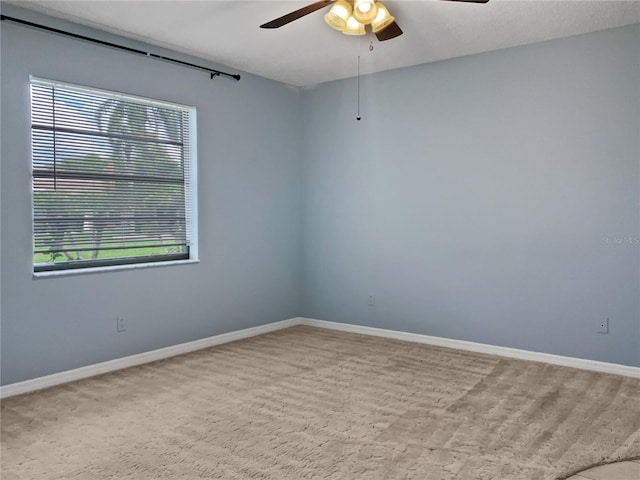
306,403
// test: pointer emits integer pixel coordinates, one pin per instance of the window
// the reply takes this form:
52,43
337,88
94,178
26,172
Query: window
113,178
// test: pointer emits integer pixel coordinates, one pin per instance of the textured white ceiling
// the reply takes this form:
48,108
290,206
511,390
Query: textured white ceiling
308,52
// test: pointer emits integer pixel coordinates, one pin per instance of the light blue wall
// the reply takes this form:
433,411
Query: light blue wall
476,197
249,223
473,200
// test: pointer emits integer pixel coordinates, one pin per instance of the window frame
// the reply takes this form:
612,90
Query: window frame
190,200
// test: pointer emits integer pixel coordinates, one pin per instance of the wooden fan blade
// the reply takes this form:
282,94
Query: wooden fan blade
392,31
295,15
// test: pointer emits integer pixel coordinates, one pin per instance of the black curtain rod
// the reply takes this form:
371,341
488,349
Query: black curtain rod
214,73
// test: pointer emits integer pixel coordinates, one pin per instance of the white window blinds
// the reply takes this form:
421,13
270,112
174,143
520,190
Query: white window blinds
113,177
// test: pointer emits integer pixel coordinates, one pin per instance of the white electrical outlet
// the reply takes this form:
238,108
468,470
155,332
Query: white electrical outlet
372,300
120,325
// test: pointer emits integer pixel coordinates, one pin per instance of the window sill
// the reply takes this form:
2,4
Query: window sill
135,266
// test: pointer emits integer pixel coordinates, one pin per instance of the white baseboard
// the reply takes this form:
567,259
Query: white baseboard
581,363
140,358
162,353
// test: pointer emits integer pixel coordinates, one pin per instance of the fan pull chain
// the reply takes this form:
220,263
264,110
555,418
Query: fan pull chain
358,117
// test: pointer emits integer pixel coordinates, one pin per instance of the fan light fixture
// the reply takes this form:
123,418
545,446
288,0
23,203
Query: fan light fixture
364,11
383,18
339,15
354,27
351,20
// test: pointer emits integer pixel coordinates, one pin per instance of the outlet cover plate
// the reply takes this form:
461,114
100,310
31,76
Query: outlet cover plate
603,326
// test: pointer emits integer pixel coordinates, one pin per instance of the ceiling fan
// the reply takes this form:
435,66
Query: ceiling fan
352,17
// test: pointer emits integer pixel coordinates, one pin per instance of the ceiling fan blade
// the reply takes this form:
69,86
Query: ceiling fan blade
392,31
295,15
